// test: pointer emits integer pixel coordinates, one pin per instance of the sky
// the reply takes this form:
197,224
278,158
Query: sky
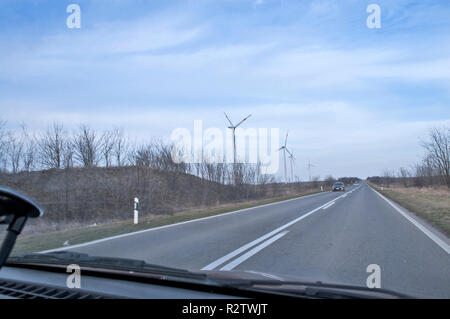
356,101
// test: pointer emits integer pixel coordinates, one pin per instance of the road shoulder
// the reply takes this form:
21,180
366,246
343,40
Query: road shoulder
426,227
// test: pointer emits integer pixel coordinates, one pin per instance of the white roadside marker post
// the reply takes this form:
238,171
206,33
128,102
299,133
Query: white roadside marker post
136,212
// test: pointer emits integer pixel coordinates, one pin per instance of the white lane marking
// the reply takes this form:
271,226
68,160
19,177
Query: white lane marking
432,236
250,253
176,224
271,276
236,252
330,204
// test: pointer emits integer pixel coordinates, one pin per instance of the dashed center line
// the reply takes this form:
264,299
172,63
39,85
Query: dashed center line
265,240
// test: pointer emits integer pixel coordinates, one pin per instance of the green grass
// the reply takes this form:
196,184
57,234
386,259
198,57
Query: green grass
433,205
45,241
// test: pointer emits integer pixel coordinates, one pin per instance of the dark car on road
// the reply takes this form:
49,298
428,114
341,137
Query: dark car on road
338,186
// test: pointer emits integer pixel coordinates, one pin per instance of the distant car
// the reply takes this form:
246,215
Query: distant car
338,186
355,183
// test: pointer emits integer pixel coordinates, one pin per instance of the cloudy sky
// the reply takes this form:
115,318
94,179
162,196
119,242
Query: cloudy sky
355,100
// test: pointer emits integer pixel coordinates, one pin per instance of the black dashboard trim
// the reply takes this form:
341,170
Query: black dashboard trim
153,279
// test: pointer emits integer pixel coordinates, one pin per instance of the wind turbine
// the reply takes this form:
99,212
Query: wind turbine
233,128
285,149
309,169
292,159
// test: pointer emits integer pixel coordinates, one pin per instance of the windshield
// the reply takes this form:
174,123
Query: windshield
210,136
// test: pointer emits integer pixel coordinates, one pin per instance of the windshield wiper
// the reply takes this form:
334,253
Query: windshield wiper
113,263
311,289
280,287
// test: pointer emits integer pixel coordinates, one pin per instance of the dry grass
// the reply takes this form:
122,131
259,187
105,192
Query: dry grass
78,197
432,204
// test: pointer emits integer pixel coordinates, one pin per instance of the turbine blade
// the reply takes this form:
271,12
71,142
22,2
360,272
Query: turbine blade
285,140
290,154
228,118
245,118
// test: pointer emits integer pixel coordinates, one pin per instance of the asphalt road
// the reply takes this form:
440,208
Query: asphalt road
331,237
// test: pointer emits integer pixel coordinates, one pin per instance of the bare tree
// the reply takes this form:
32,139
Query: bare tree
51,146
120,146
3,145
68,152
143,156
86,145
106,147
29,149
388,177
329,180
438,149
404,174
14,153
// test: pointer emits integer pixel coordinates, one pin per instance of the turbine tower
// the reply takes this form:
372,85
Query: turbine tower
292,159
233,128
309,169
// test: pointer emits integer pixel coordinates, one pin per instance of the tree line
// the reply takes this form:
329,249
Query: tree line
86,176
59,148
432,170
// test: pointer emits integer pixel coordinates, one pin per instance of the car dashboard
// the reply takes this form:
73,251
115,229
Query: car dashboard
25,283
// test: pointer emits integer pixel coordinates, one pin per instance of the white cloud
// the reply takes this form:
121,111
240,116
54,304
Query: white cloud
72,77
113,39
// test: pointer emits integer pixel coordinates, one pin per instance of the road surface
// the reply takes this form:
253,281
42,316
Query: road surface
331,237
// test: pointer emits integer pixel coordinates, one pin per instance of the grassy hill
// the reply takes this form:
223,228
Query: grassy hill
79,197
